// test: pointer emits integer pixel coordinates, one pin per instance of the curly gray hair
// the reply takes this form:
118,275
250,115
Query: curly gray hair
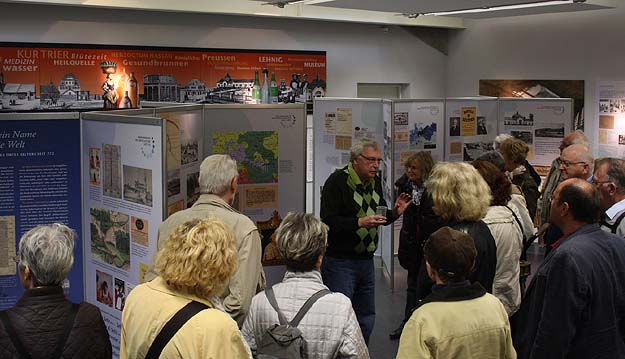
359,146
48,251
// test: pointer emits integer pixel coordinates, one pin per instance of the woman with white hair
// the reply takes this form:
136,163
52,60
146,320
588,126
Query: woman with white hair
43,324
179,314
330,328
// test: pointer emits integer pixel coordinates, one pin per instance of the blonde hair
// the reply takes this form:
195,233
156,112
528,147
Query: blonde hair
199,257
458,192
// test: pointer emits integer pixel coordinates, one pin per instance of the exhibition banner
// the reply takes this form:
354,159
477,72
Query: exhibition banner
44,77
387,246
541,123
472,127
122,208
39,184
610,136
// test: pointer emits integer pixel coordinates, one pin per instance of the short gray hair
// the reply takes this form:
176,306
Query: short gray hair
216,173
499,139
359,146
48,251
301,238
615,171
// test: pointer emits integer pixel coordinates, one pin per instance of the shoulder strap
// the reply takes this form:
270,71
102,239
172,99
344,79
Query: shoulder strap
614,227
517,222
309,303
172,326
272,300
13,336
69,324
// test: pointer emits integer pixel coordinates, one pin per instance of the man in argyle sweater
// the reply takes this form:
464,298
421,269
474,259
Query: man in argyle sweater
349,200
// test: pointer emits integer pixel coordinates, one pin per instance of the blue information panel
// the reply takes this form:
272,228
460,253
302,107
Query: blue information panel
39,184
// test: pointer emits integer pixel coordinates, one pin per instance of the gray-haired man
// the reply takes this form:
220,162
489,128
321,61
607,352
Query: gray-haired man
218,187
609,180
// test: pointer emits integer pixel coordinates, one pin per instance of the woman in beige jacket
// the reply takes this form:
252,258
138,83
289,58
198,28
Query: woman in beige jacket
195,264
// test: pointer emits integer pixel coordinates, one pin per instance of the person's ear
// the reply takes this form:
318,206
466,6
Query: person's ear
431,272
234,183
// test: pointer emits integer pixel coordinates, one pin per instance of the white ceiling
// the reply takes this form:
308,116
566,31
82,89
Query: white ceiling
385,12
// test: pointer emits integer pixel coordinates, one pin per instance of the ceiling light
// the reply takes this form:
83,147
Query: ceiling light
505,7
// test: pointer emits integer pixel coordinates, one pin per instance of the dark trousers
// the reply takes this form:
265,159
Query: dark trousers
355,278
411,295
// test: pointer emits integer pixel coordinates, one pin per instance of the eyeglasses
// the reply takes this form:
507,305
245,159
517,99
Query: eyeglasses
599,183
566,163
371,159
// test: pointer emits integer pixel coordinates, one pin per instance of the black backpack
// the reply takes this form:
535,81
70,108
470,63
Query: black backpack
284,340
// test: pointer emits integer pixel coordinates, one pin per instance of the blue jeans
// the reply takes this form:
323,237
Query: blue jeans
356,279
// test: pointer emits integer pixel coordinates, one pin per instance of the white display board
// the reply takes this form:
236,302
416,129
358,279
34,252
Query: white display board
471,127
610,131
184,153
122,211
338,122
269,144
419,126
541,123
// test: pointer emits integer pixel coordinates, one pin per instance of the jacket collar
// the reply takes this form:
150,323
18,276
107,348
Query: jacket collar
48,293
159,284
313,275
213,200
455,294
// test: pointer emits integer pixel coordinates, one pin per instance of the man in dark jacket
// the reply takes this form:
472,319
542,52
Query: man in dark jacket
43,324
349,202
575,305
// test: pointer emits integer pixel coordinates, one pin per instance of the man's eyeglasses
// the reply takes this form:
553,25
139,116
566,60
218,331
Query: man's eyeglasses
566,163
599,183
371,159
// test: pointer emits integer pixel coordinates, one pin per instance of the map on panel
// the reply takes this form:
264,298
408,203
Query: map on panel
256,153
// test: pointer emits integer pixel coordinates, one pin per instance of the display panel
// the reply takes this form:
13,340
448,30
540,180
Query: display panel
541,123
122,208
269,144
610,131
471,127
39,184
337,123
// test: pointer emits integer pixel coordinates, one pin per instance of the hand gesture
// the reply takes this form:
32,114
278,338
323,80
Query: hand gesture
402,202
371,221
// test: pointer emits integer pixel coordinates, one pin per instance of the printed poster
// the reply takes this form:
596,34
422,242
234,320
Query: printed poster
39,176
121,224
611,122
472,127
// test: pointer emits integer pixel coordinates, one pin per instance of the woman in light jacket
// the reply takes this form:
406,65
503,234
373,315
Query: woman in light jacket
194,265
504,222
329,328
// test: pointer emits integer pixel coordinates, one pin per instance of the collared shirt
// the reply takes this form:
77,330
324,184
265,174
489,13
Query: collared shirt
615,209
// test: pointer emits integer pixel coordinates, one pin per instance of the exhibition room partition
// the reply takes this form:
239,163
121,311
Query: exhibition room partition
39,183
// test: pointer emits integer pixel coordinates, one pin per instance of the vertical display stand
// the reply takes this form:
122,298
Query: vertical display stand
418,125
39,184
541,123
123,205
471,127
184,152
609,119
386,233
269,144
